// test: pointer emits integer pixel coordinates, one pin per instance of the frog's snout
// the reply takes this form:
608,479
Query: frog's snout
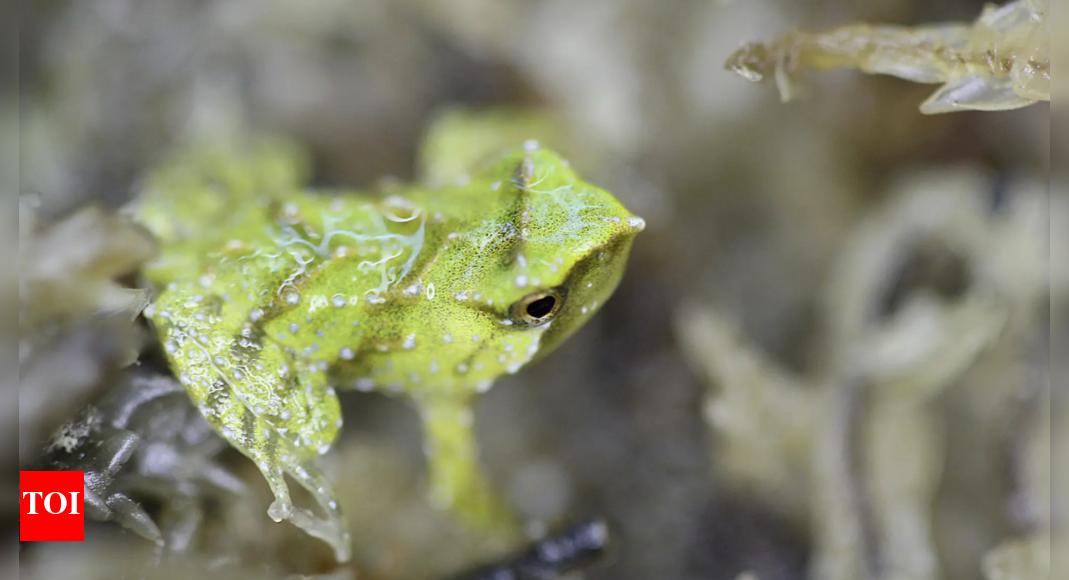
637,224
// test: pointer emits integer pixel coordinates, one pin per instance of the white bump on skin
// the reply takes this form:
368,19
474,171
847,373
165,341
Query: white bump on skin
294,327
346,353
365,384
521,281
206,281
255,315
495,186
530,145
434,367
484,385
430,292
338,301
448,338
412,290
476,338
293,298
410,342
382,348
462,368
636,223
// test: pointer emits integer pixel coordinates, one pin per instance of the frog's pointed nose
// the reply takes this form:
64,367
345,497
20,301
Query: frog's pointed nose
637,224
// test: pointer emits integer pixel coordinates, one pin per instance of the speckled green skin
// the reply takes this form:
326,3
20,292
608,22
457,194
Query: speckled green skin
271,296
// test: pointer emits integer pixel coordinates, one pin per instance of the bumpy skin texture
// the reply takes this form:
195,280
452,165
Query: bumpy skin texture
271,296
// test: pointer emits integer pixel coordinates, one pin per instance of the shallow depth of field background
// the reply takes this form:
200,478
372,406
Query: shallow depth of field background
749,204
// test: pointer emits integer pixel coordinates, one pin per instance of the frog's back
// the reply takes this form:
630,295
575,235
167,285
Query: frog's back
203,199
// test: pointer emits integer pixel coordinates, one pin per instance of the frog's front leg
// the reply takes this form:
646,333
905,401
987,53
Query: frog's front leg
303,429
457,480
274,407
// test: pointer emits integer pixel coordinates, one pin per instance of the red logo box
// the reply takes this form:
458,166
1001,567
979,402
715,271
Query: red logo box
52,505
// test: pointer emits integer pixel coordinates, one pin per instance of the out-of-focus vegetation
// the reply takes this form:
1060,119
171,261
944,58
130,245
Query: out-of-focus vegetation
829,358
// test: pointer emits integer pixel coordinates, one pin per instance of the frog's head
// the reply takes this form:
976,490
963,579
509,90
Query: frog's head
545,253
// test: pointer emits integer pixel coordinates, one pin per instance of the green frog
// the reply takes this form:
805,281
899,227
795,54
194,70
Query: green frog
270,297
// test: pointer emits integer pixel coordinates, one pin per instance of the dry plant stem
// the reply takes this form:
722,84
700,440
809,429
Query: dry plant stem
1023,510
855,406
1000,62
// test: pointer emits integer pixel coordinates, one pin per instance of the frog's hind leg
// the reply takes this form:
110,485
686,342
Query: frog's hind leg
205,190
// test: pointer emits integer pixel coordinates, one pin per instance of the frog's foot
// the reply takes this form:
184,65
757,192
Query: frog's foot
332,529
457,481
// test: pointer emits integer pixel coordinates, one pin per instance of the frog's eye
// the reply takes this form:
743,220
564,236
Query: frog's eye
537,307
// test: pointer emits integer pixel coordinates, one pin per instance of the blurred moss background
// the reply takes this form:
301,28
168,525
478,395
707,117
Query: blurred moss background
750,205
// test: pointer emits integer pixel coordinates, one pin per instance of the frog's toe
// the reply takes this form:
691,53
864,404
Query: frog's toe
330,530
333,529
280,510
